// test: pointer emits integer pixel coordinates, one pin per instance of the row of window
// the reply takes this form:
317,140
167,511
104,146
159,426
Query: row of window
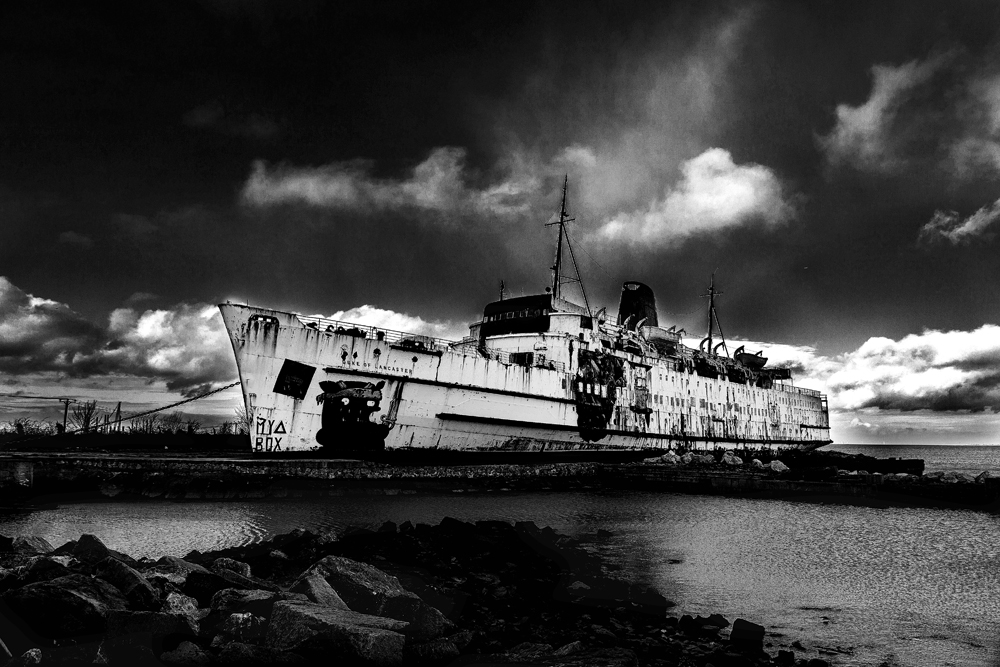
517,314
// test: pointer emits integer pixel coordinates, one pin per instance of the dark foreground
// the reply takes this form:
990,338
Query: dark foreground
489,593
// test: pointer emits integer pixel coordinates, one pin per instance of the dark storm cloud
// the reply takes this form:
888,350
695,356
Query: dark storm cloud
184,346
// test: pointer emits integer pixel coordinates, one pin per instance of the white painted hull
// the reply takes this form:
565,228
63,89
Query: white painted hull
456,399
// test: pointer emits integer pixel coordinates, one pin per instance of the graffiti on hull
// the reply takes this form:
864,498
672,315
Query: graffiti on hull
269,434
595,390
346,418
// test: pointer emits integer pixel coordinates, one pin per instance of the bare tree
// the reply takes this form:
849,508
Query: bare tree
243,424
25,426
171,423
84,416
144,425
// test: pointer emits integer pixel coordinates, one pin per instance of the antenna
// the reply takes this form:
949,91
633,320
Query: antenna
558,279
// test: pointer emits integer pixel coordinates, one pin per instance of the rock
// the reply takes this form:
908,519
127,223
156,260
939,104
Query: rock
45,568
89,549
670,458
318,590
186,653
231,565
368,590
182,605
30,657
965,478
244,626
66,549
605,657
937,474
747,635
234,600
387,527
172,569
568,649
756,463
434,652
949,478
70,606
602,636
982,477
155,624
203,585
528,652
785,658
777,466
312,629
249,655
136,589
31,544
730,459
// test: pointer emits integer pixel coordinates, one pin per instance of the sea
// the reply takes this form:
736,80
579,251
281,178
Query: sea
853,584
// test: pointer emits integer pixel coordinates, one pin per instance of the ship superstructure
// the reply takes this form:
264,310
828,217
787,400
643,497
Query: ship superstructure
536,373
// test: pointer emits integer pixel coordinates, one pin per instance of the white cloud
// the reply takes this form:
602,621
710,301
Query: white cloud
381,318
949,225
864,136
713,194
437,185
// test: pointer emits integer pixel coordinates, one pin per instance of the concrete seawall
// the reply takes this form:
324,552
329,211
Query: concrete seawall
59,476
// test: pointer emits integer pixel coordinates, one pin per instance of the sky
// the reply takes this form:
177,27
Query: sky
834,164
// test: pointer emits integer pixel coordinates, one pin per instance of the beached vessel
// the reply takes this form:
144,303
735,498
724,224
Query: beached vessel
537,373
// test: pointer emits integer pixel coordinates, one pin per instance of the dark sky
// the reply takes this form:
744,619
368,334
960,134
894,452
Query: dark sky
834,163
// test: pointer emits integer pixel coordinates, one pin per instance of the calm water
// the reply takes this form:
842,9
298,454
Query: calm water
900,586
959,458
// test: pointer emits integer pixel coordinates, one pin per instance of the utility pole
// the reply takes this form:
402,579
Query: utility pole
65,402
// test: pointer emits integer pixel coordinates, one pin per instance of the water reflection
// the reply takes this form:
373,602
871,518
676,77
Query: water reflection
915,586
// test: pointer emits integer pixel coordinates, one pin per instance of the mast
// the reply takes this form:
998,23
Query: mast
557,266
557,277
712,315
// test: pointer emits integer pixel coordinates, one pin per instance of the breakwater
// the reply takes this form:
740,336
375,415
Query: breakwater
483,593
30,476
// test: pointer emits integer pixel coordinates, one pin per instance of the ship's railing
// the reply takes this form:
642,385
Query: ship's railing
798,390
376,333
426,343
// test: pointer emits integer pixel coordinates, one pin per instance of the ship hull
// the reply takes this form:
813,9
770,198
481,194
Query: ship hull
353,392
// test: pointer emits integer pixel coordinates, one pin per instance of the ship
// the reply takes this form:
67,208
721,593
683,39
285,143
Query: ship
536,374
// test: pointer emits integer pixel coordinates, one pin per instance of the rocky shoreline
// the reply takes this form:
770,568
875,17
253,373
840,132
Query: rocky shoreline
489,593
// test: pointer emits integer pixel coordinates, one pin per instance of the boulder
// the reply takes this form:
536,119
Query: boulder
965,478
149,626
756,463
250,655
318,590
731,459
244,627
70,606
235,600
435,652
186,653
182,605
747,635
231,565
687,458
172,569
670,458
44,568
136,589
985,475
368,590
31,544
949,478
89,549
315,630
203,585
777,466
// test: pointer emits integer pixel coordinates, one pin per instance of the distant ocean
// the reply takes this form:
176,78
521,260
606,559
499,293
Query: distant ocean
959,458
